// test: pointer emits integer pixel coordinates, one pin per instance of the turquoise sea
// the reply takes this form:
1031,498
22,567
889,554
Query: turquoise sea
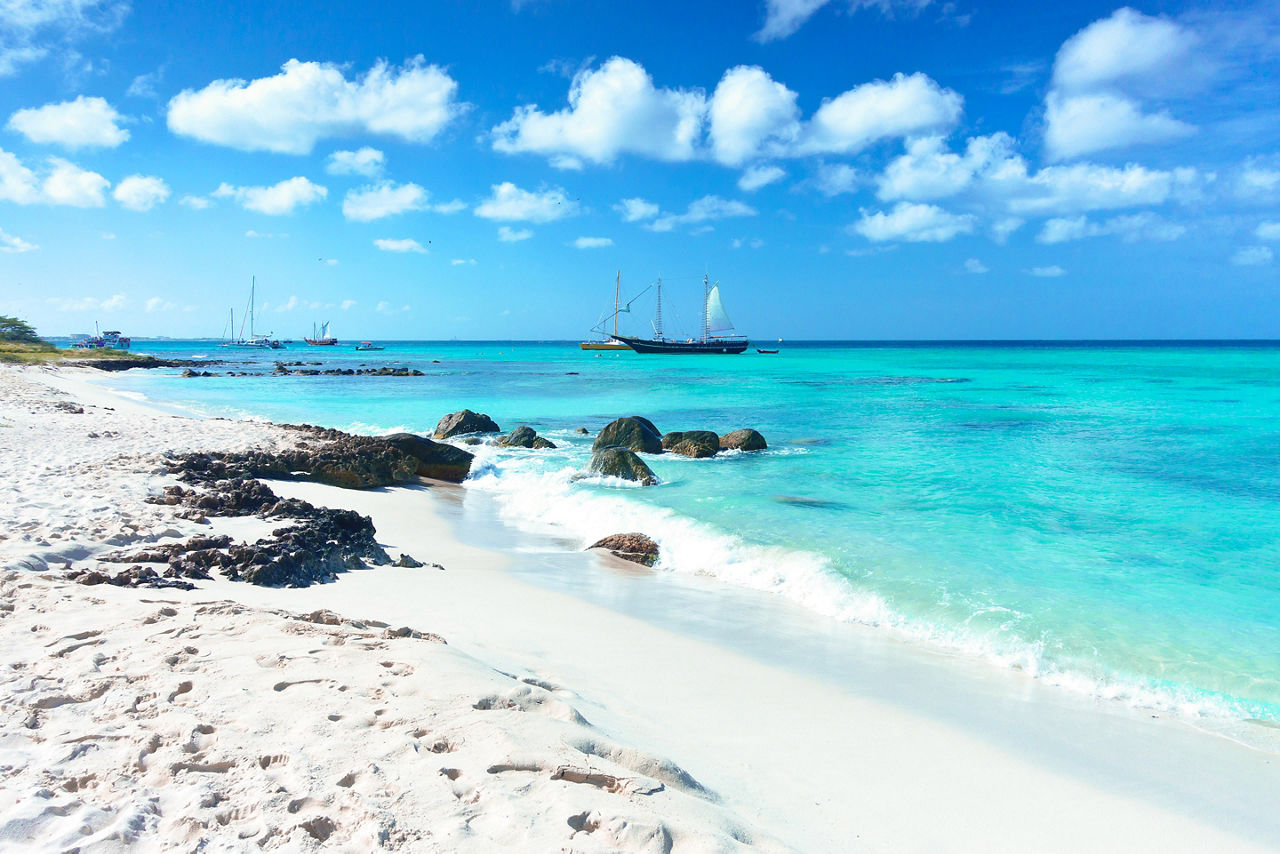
1104,516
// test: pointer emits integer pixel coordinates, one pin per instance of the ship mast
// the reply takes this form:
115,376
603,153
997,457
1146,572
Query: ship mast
616,285
657,323
706,307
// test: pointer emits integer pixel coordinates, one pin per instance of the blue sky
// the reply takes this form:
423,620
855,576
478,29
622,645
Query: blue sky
846,169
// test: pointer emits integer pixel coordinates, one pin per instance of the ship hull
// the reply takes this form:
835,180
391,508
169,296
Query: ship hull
603,345
712,346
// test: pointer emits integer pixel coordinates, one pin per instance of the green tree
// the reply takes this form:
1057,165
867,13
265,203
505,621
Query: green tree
13,329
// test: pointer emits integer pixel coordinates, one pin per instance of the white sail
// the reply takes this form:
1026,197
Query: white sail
717,319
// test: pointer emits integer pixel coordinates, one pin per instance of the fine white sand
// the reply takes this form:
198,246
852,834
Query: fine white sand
290,733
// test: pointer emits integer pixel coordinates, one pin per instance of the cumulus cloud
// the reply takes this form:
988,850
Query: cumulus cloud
1126,46
115,302
750,115
509,202
307,101
158,304
363,161
141,192
1257,181
68,184
507,234
834,179
382,200
612,110
1089,186
1252,256
592,242
1051,272
82,123
703,210
1083,124
13,244
973,265
276,200
450,207
760,176
906,105
347,304
1131,228
928,170
784,17
196,203
404,245
1268,231
914,223
636,209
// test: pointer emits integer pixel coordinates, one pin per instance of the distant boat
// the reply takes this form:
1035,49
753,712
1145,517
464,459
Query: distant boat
368,345
714,322
767,352
109,340
611,343
321,337
254,341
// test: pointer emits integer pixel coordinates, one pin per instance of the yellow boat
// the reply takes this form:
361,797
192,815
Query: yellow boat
610,343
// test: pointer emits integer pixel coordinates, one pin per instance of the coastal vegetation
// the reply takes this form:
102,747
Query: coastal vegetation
19,344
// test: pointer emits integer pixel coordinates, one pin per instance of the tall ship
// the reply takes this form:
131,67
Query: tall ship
321,337
611,342
715,325
109,340
254,341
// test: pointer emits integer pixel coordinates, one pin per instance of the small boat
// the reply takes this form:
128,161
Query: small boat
714,320
321,337
612,342
767,352
365,346
109,340
254,341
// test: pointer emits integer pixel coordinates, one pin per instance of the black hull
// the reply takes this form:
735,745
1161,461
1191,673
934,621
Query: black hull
713,346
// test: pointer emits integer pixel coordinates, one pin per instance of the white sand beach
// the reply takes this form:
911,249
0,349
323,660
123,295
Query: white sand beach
580,714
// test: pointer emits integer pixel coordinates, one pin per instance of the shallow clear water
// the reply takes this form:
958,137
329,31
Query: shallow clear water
1105,516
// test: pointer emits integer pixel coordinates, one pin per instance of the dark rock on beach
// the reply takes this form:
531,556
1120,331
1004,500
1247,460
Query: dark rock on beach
634,547
634,433
582,431
524,437
434,459
620,462
692,443
466,421
743,440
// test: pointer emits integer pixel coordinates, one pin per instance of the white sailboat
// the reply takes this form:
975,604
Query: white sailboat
254,341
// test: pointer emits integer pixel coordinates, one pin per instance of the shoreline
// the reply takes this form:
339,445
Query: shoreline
858,759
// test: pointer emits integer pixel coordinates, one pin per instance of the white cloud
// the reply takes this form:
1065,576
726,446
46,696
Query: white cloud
700,211
363,161
307,101
62,183
929,171
1051,272
784,17
144,85
404,245
751,115
347,304
1088,186
13,244
450,207
1134,227
265,235
903,106
833,179
141,192
158,304
458,262
1082,124
277,199
760,176
636,209
509,202
196,203
385,307
1002,228
1252,256
1126,46
592,242
1255,180
332,262
914,223
612,110
82,123
507,234
383,200
973,265
115,302
1268,231
30,29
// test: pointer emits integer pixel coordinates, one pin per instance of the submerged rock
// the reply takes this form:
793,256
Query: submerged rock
634,547
524,437
692,443
434,459
743,440
466,421
620,462
634,433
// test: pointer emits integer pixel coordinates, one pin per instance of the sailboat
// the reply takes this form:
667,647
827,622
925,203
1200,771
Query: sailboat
254,341
715,322
321,337
611,343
